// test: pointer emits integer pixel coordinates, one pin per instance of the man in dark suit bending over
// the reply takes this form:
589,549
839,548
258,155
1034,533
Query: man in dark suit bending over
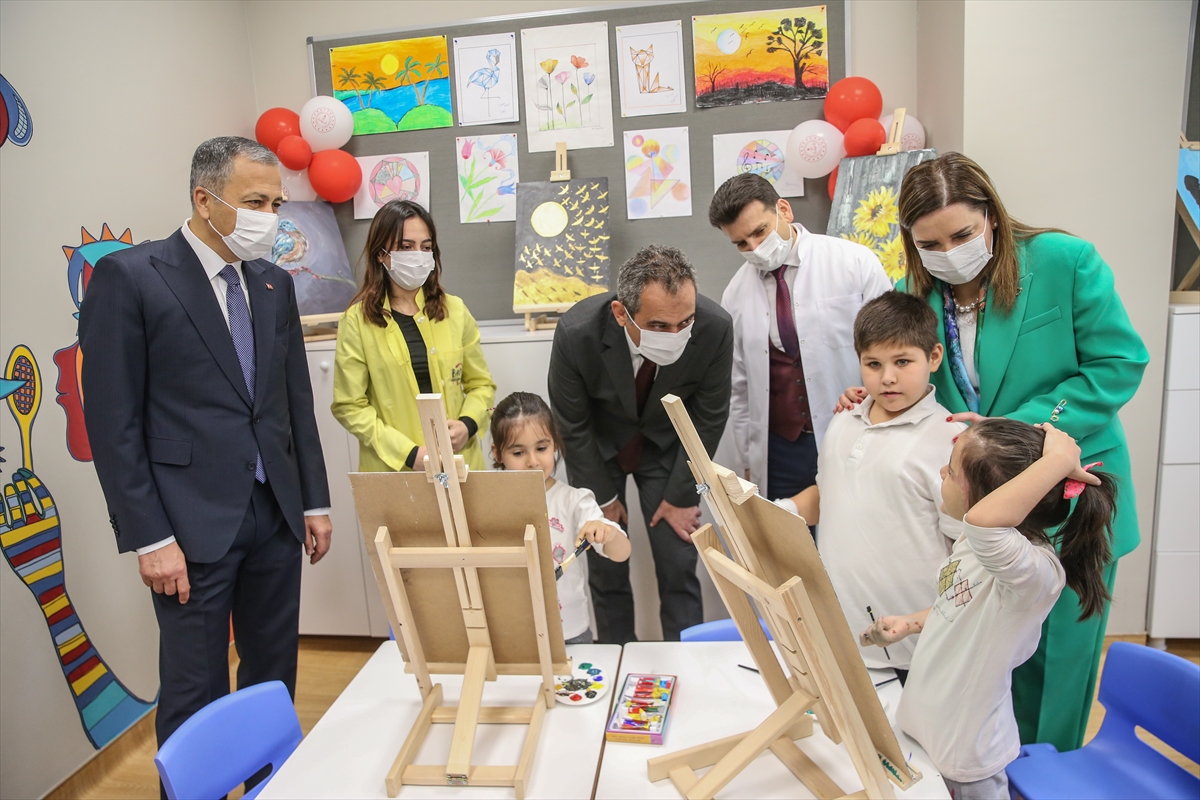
614,358
200,415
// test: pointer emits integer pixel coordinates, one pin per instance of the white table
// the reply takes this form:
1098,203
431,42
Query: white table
351,748
714,699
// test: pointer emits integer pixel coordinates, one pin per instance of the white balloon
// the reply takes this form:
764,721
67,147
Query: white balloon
913,135
814,148
296,185
326,123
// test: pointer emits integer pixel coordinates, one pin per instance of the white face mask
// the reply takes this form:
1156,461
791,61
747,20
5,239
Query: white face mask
253,234
410,268
771,251
661,347
960,265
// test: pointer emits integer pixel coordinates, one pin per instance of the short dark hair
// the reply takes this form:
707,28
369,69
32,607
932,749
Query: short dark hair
896,318
654,263
738,192
212,163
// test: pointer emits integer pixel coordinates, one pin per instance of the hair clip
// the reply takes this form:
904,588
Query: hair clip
1058,409
1074,488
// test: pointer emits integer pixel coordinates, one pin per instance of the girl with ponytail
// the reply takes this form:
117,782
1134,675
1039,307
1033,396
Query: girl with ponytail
1010,483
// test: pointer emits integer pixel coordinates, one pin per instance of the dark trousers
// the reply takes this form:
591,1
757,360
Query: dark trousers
258,581
791,466
680,604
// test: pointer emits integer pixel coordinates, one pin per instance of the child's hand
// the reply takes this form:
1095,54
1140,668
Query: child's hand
598,532
1063,449
888,630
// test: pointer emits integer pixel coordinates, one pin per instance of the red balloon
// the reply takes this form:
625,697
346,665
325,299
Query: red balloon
335,175
833,182
274,124
294,152
864,137
850,100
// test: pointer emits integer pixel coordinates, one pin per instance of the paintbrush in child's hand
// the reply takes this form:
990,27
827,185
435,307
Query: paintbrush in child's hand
872,616
558,571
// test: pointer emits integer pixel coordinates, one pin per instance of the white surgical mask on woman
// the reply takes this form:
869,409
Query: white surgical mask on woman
661,347
771,251
253,234
410,268
962,264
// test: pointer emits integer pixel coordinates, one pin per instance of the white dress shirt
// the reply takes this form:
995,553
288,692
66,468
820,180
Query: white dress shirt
213,264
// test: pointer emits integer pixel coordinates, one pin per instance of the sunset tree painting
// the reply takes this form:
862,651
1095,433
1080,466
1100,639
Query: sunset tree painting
400,85
761,56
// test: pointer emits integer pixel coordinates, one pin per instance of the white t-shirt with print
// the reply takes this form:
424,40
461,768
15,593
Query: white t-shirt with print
994,592
569,509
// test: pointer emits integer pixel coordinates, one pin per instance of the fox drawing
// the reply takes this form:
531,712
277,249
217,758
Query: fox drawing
641,60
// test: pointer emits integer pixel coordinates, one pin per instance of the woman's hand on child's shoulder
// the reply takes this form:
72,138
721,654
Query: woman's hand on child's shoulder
1065,451
850,398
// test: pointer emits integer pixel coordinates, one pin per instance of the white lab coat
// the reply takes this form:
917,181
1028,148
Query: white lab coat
835,277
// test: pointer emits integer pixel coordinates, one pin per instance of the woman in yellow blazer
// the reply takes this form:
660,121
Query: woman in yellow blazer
402,336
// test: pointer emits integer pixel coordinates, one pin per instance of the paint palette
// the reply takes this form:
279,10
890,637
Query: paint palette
586,684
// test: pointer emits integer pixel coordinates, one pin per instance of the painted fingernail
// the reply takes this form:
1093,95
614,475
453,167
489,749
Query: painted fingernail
949,419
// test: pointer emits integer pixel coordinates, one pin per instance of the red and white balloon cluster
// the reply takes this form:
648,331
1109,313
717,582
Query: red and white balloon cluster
852,127
308,148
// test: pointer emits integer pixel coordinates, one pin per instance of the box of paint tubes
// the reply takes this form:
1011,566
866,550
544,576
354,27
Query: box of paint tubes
640,713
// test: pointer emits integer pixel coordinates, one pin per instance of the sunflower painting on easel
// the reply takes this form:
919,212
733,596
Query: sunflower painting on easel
865,205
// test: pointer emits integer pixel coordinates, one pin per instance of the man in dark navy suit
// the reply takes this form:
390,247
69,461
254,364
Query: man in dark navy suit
200,415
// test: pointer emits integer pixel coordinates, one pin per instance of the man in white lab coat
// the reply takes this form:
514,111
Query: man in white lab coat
793,304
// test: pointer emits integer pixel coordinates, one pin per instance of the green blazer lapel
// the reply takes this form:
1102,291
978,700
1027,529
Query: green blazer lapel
997,340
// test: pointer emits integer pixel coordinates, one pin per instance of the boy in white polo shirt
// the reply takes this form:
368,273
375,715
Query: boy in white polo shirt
879,480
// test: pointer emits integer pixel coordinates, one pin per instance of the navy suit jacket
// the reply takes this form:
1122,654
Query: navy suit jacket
171,424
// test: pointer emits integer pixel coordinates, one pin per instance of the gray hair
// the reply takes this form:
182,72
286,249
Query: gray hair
652,264
212,163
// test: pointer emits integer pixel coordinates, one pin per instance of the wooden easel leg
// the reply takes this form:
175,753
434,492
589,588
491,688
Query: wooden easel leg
412,742
458,766
805,769
529,749
540,624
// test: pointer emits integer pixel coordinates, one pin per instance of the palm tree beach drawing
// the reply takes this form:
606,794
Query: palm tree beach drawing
401,85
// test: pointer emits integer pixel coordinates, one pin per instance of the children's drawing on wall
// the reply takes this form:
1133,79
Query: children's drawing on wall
309,246
760,56
650,68
865,204
81,260
401,85
16,123
486,78
31,540
658,173
568,97
562,243
760,152
398,176
487,178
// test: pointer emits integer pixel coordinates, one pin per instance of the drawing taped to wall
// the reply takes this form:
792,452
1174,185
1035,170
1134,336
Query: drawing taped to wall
486,79
568,97
760,56
397,176
81,260
562,243
410,92
650,69
31,540
760,152
658,173
487,178
309,246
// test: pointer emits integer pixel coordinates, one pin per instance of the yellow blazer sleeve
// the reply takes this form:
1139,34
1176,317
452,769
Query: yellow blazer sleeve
351,406
478,387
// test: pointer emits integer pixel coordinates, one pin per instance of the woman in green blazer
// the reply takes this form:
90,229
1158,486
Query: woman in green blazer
1034,330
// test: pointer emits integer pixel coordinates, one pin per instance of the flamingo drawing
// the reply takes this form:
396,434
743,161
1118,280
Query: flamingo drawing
487,77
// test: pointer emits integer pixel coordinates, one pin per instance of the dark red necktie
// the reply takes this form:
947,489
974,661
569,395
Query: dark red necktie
783,314
630,456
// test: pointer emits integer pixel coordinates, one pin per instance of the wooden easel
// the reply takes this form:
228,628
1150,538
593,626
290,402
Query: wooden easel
505,620
773,564
892,145
1186,292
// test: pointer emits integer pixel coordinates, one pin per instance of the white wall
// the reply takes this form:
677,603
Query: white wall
939,46
120,94
883,47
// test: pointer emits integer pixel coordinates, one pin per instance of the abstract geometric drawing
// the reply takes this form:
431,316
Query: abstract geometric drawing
81,260
758,152
309,246
398,176
486,72
658,173
650,68
31,540
412,91
762,158
562,243
487,178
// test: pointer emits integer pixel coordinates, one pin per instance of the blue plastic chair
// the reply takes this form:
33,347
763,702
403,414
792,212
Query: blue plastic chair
1142,687
228,741
721,630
